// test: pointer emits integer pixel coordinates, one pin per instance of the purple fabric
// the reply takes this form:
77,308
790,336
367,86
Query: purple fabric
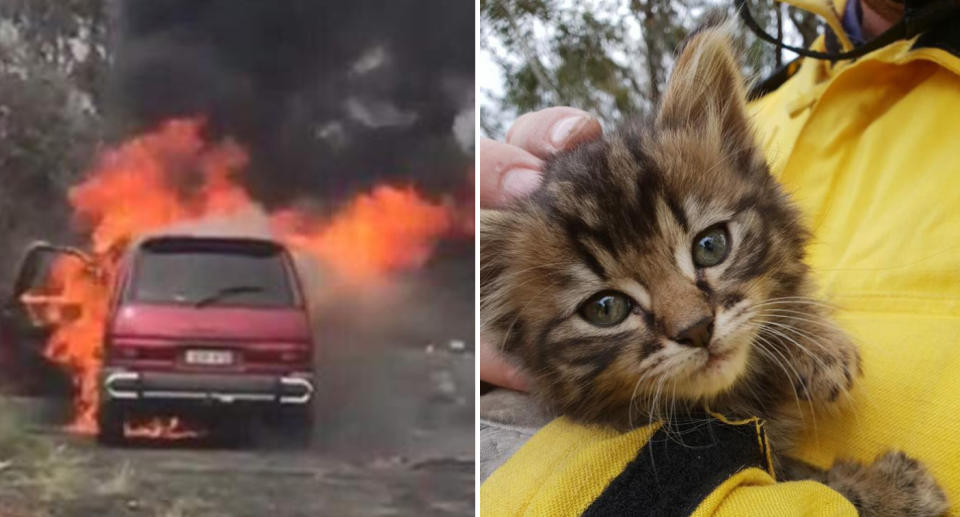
853,21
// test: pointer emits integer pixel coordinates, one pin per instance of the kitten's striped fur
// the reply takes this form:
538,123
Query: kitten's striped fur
621,214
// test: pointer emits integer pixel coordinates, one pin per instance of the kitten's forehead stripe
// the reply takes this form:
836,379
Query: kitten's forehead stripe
753,255
613,189
677,210
576,230
636,138
563,279
622,166
748,202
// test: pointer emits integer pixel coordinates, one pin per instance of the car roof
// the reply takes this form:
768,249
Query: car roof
208,240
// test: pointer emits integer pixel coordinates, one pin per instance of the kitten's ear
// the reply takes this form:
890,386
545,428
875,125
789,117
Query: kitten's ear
706,89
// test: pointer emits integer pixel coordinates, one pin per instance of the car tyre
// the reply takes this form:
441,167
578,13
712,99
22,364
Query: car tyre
297,426
110,418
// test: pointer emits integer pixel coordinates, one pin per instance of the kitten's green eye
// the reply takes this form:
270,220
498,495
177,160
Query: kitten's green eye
606,308
711,246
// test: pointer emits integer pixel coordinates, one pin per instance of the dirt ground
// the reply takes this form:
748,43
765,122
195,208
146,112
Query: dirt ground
394,432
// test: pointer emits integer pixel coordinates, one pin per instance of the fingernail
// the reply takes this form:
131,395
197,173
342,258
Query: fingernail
563,129
520,182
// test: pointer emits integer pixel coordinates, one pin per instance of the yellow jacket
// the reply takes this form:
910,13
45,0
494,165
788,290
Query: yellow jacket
870,150
721,469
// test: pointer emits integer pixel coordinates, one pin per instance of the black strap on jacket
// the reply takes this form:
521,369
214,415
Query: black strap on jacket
674,472
918,16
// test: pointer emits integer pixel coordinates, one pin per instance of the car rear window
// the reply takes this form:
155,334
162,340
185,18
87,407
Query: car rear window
210,273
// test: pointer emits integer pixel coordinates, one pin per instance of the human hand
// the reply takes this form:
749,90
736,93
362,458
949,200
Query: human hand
513,169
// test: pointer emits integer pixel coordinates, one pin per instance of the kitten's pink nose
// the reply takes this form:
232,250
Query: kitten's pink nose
696,335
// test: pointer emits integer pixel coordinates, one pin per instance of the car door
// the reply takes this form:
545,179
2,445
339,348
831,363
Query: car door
32,309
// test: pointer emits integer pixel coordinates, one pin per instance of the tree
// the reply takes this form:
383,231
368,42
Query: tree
609,57
53,64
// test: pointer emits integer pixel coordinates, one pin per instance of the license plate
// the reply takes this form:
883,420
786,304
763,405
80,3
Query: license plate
209,357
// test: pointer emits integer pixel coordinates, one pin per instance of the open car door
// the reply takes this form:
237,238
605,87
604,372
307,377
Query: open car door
33,308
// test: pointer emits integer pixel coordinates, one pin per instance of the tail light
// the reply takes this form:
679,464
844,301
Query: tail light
122,350
286,356
293,356
126,353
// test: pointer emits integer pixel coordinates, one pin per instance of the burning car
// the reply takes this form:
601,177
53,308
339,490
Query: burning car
194,325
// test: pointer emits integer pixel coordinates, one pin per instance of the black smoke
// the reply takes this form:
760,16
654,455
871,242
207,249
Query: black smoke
328,96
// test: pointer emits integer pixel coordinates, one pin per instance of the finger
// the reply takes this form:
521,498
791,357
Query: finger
549,130
505,172
495,369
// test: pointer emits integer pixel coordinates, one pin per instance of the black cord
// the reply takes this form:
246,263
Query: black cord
916,19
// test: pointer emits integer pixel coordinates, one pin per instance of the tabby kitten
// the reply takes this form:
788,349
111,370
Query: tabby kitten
662,267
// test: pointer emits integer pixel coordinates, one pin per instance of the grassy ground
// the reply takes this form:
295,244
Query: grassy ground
394,433
33,470
420,465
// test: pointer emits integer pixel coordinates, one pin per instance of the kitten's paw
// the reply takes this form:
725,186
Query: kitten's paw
827,377
894,485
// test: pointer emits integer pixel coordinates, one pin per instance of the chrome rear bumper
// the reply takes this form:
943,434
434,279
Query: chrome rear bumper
128,385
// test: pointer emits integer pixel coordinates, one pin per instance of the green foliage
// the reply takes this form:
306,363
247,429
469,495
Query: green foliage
53,66
609,57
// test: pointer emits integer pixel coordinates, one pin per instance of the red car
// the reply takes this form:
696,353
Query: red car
207,326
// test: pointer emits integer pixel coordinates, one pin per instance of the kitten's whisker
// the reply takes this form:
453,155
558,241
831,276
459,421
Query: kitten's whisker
651,395
657,412
797,315
805,316
789,315
677,407
776,331
633,397
650,421
796,300
761,347
782,362
653,404
808,307
782,333
802,333
669,423
799,297
749,386
787,362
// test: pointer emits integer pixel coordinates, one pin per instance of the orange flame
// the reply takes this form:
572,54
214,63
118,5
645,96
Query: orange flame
173,174
157,179
75,343
388,229
169,428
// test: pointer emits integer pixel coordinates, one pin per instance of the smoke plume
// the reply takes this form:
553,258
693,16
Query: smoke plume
328,97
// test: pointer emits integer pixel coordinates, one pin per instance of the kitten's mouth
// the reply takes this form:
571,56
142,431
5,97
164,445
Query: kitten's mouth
716,360
711,370
715,368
